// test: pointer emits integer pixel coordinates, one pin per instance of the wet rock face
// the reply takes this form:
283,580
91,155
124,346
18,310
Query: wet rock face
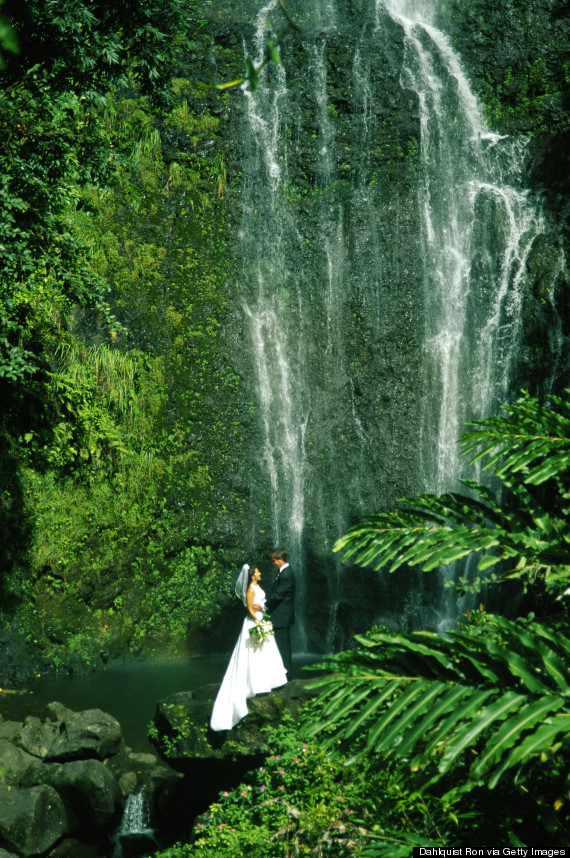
515,55
330,240
327,234
91,794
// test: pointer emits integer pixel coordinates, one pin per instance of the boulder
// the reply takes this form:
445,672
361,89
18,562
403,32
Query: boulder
31,820
68,735
35,738
89,791
14,763
128,783
9,730
135,771
212,761
183,736
91,733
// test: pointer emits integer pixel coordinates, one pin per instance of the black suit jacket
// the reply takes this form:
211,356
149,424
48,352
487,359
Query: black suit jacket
280,604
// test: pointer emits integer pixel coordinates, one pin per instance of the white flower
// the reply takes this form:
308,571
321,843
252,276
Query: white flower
261,631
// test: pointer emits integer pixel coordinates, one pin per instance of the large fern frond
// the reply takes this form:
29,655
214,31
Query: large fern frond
440,702
533,439
437,530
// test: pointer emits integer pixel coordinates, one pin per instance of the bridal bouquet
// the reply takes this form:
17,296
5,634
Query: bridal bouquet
262,630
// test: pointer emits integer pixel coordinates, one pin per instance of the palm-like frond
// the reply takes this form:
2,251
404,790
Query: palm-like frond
437,530
440,702
532,439
430,530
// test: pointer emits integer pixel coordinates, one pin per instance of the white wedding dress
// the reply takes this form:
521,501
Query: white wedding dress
250,672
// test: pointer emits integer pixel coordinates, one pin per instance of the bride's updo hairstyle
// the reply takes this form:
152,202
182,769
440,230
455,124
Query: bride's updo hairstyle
253,567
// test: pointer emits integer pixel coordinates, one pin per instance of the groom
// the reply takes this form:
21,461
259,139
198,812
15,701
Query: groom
280,605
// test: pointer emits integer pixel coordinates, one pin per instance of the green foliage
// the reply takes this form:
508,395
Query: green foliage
119,416
524,528
508,700
525,100
85,46
100,413
189,595
302,801
527,89
8,40
479,709
486,708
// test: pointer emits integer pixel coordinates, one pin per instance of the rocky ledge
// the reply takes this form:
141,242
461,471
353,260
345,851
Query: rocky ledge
64,782
67,778
213,762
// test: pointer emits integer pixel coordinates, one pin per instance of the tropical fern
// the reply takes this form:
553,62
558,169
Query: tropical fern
525,529
489,704
534,440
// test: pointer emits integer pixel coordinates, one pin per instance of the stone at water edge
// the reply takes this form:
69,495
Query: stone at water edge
16,765
212,762
35,738
68,735
9,730
90,732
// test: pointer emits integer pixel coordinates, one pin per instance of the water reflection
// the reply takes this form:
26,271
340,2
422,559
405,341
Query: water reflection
127,692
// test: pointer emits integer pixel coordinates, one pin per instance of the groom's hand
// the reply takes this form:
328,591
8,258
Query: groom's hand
256,608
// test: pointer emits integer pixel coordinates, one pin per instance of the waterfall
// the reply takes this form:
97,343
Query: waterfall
478,228
384,244
134,836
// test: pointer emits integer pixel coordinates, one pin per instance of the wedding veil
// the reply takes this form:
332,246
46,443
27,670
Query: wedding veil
242,583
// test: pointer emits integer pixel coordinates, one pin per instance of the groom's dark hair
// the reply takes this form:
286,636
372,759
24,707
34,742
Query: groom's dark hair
280,554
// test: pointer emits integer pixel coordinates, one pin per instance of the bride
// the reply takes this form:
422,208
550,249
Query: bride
254,668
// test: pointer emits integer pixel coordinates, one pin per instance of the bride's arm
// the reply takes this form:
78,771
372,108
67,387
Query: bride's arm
250,598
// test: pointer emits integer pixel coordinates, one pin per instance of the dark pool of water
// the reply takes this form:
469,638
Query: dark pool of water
128,692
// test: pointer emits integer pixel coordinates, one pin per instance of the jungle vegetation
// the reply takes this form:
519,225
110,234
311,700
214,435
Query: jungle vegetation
118,405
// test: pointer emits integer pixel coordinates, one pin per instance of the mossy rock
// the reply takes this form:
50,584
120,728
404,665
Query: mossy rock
183,737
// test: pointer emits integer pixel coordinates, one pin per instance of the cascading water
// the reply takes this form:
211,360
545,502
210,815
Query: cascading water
478,228
135,837
384,244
